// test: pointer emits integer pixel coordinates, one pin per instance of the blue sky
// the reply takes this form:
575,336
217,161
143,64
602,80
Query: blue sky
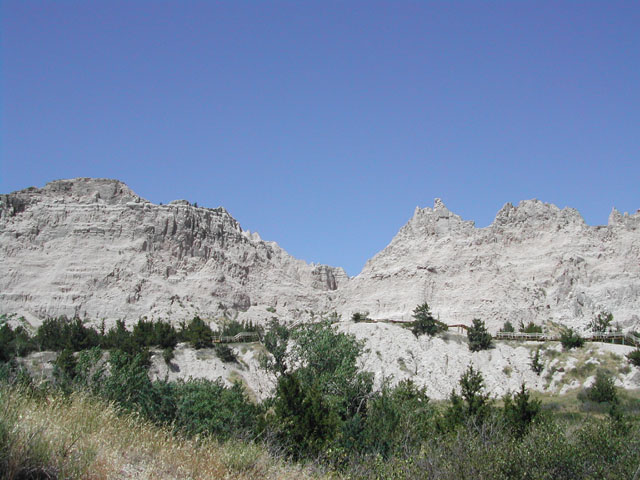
322,125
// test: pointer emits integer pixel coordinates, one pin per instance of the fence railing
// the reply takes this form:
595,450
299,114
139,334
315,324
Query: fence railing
624,338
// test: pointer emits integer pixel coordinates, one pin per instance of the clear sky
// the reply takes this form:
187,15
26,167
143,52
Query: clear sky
323,124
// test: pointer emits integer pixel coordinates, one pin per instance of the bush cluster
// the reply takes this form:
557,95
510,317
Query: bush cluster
571,339
326,409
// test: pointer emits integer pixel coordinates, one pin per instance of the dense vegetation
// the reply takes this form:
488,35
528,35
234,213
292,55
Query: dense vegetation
325,409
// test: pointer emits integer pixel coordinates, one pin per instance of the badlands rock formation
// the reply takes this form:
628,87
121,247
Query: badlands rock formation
535,262
93,248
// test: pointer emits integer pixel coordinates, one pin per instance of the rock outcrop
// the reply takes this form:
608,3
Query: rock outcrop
93,248
535,262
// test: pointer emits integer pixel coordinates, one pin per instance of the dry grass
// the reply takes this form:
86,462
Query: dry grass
82,437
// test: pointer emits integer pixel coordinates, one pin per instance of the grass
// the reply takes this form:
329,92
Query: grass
52,436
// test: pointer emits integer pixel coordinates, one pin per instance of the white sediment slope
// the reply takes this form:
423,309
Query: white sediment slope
93,248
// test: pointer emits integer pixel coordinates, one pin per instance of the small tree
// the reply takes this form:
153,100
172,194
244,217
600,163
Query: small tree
603,389
507,327
224,353
536,365
602,322
198,333
571,339
479,337
530,328
65,365
634,357
424,322
472,402
520,411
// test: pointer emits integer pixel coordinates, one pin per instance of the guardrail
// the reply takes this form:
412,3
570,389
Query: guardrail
240,337
624,338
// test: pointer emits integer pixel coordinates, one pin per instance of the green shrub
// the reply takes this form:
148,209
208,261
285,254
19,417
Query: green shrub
479,337
208,407
571,339
602,322
65,366
128,383
397,419
603,389
634,357
198,333
536,365
59,333
304,422
15,343
276,341
507,327
168,355
471,403
424,322
530,328
358,317
225,353
520,410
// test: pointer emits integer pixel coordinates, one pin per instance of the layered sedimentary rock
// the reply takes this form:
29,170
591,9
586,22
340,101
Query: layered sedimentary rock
535,262
93,248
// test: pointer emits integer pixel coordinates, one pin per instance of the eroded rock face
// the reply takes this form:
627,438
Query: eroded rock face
535,262
93,248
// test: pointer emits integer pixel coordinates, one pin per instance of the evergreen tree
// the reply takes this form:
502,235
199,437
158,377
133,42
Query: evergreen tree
519,411
536,365
479,337
424,322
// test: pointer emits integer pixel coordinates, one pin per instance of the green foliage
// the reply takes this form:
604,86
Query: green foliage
536,364
306,424
148,334
603,389
233,327
471,404
60,333
128,383
602,322
571,339
116,336
65,366
507,327
634,357
15,343
225,353
321,395
208,407
276,341
198,333
358,317
479,337
520,410
327,360
168,355
530,328
424,322
397,419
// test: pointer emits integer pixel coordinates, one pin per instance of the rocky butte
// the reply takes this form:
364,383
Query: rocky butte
93,248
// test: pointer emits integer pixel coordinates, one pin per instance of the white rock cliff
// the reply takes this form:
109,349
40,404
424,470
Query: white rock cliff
93,248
